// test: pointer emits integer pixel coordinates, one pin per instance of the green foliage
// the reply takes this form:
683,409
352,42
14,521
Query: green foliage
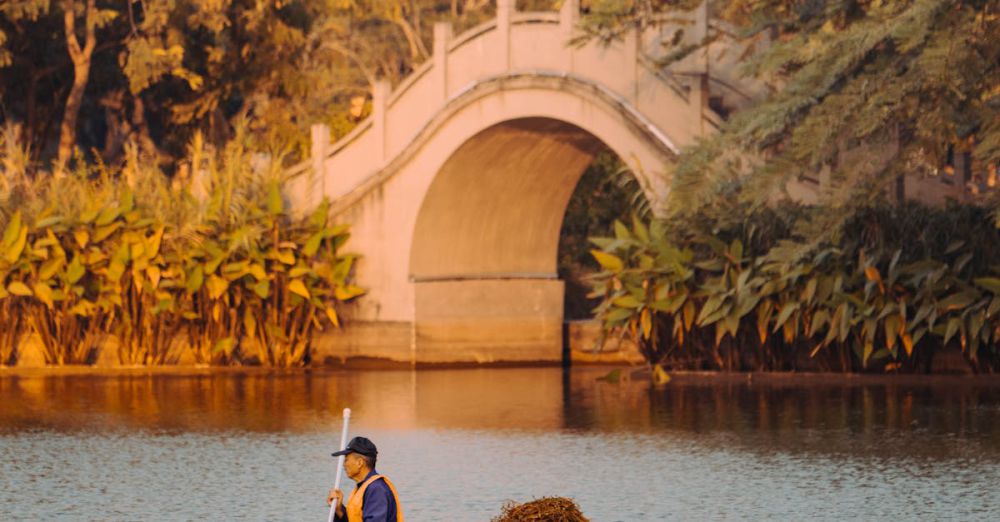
128,254
899,285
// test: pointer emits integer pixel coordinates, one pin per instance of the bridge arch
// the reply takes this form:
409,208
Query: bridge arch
494,205
494,209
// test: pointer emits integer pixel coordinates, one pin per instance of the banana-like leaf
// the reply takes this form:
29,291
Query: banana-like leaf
12,232
154,242
346,293
958,300
891,328
331,314
224,346
16,245
951,328
736,251
627,301
262,288
154,274
319,216
82,237
195,279
296,286
137,250
300,271
51,268
286,256
84,308
341,270
618,314
786,311
639,229
103,232
116,269
688,313
44,294
216,286
609,262
108,215
646,323
213,264
990,283
819,319
257,271
312,244
20,289
907,343
621,231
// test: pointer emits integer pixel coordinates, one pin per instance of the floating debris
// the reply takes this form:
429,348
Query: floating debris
546,509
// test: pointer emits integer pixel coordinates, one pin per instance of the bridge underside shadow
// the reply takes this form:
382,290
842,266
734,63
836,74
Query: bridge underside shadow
484,250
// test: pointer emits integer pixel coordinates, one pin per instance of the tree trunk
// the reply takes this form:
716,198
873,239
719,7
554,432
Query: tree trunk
81,71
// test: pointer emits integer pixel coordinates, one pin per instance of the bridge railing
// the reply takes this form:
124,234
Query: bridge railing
513,42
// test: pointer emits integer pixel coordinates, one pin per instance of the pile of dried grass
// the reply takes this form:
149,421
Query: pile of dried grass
547,509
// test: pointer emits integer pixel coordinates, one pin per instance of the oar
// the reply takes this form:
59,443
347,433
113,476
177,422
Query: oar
340,462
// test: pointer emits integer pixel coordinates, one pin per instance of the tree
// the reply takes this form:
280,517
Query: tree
80,54
870,89
157,71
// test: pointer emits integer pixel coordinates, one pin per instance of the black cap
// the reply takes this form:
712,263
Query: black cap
359,445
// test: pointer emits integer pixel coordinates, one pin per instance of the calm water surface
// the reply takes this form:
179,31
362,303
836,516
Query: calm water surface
458,443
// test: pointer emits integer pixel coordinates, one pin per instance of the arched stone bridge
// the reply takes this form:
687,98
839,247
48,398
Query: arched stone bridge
456,185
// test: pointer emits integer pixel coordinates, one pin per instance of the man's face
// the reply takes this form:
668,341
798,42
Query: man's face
353,463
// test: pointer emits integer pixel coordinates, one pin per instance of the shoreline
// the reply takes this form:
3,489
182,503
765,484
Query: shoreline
628,374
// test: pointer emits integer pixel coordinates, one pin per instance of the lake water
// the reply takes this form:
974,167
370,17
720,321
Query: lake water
458,443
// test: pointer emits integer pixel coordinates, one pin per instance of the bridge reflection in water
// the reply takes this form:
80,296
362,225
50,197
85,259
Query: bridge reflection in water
785,413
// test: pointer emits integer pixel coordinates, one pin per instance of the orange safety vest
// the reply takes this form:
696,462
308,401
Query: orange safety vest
355,503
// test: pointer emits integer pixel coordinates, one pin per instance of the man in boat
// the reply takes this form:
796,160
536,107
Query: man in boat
374,499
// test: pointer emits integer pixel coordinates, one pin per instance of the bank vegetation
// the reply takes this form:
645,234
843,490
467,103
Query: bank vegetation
210,267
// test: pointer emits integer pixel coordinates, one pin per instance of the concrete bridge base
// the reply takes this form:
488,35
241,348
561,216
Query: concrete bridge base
460,322
524,340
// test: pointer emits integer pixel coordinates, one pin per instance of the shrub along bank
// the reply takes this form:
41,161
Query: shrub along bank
897,285
156,266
